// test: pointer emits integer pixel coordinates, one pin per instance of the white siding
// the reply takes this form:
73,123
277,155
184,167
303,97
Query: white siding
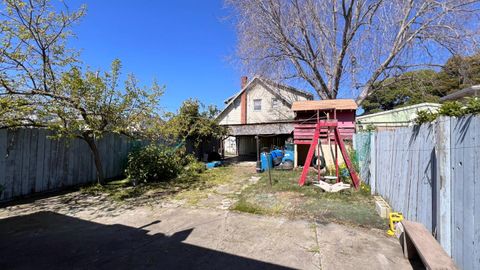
268,113
233,114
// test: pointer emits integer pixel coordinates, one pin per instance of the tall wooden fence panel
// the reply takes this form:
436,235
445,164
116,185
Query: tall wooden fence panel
465,179
404,171
432,175
31,162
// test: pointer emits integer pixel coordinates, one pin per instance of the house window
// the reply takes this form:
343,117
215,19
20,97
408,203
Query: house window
275,103
257,104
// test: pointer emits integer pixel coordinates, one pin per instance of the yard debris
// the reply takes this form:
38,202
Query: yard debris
331,188
382,207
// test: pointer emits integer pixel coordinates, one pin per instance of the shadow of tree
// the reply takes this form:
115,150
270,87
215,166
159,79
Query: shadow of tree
47,240
463,125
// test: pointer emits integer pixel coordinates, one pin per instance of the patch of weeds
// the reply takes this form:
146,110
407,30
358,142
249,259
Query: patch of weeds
244,206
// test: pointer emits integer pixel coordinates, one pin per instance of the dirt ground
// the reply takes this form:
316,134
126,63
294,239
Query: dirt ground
193,228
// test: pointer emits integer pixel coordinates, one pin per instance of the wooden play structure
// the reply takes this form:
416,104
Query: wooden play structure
325,122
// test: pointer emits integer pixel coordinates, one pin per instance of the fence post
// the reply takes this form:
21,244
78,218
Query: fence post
373,161
444,182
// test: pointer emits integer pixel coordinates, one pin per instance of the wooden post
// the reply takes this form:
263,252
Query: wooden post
373,160
336,161
443,187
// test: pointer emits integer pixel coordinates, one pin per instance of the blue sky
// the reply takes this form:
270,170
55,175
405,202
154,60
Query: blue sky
184,44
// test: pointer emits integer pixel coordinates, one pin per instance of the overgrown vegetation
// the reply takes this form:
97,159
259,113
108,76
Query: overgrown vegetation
452,109
285,197
190,184
153,163
193,122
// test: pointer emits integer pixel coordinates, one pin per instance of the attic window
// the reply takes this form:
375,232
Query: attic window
257,104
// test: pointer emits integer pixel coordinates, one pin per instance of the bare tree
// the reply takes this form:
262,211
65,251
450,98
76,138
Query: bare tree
335,44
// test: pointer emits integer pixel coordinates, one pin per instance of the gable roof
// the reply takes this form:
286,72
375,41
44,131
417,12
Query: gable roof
268,84
327,104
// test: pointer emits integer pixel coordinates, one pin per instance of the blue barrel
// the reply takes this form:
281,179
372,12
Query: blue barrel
266,161
277,154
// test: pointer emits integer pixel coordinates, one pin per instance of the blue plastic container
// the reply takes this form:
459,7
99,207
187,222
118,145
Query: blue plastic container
277,154
266,161
213,164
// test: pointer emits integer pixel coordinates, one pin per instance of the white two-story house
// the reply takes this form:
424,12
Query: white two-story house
261,108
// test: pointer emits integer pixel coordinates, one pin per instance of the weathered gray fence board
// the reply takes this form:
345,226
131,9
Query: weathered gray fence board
476,207
32,162
403,171
432,175
465,206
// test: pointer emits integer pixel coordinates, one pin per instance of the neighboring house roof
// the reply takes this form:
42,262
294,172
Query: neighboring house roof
327,104
402,115
467,92
269,86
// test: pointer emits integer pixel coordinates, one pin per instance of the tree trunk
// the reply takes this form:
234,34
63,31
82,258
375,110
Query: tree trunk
96,155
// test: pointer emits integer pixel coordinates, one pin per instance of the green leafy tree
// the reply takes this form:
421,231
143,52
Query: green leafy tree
424,85
41,84
192,122
458,73
408,89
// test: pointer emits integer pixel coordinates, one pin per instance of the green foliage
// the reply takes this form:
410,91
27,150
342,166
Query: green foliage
408,89
160,163
425,117
452,109
153,163
192,121
41,84
192,166
424,85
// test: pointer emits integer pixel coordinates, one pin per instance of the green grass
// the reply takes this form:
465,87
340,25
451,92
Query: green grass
243,206
285,197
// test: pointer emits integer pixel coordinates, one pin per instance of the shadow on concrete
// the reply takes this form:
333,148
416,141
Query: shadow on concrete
47,240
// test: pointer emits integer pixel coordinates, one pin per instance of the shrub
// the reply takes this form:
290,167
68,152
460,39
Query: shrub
192,166
452,109
154,163
425,117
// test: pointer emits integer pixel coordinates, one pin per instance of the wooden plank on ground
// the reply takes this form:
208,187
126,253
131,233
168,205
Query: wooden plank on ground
429,250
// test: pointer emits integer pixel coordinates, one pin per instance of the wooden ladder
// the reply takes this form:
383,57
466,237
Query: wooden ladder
339,141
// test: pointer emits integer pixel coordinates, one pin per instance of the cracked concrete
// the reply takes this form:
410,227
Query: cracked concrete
77,231
220,239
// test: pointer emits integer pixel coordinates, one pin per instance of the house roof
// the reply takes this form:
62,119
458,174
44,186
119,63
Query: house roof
413,108
467,92
268,85
327,104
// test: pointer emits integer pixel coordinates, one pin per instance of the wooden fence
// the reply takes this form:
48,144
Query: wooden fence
31,162
432,175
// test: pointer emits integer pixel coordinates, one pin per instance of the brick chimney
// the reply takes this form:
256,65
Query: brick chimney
243,101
